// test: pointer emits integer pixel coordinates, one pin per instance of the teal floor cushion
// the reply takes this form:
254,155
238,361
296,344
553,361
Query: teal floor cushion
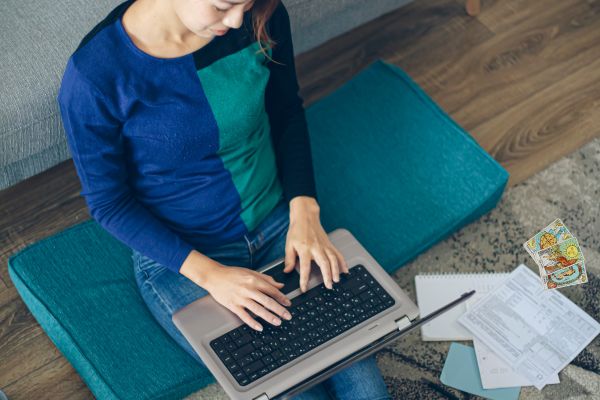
390,166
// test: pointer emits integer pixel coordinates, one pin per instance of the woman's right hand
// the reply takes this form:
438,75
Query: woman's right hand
238,288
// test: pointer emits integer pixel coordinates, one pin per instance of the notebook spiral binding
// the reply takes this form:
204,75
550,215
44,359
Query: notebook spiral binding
446,274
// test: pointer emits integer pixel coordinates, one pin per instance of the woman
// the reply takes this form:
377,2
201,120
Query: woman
191,145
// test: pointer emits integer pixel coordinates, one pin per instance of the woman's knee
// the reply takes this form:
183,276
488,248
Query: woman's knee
163,313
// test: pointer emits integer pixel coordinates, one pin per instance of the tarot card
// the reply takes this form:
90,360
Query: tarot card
551,235
560,256
572,275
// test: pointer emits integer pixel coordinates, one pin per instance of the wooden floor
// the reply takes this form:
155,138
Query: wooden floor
523,78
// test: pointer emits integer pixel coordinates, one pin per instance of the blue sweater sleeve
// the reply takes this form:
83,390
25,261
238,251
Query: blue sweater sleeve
96,145
287,117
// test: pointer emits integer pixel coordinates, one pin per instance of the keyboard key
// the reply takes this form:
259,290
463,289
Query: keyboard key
254,376
222,351
256,354
267,359
246,360
355,290
230,346
253,367
266,349
239,375
242,351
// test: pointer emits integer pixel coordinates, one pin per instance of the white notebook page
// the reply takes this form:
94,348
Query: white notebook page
434,291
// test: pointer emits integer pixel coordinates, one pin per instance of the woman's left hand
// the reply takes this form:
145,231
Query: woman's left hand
307,240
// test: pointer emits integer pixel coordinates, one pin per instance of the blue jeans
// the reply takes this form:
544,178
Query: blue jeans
165,292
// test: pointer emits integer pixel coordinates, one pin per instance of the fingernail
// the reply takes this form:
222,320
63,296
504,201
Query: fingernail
287,315
258,327
276,321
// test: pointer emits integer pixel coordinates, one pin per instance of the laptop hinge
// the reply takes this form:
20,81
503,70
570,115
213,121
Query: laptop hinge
262,397
403,323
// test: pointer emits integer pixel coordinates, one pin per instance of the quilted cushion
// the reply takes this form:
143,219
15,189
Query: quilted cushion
390,166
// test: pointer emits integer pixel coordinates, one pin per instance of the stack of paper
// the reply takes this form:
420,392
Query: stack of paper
433,291
533,332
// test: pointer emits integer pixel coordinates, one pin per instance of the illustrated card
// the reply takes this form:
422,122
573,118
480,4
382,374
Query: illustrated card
560,255
551,235
572,275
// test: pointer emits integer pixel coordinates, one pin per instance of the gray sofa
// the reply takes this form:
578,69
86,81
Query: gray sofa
39,36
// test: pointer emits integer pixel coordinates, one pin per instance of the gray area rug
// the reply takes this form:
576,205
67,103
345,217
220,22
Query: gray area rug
568,189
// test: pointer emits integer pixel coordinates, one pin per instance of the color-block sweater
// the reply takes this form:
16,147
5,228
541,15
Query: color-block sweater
188,152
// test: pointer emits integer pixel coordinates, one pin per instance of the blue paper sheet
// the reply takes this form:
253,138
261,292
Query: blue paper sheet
461,372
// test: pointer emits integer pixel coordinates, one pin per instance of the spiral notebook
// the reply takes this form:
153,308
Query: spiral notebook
435,290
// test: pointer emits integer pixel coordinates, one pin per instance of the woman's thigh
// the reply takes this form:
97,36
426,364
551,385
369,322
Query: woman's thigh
165,292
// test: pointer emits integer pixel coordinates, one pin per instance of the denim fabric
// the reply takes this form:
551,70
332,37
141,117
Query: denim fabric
166,292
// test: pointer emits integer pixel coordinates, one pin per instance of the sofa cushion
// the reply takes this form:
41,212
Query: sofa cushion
390,166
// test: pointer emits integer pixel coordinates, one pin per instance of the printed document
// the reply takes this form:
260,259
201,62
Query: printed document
535,331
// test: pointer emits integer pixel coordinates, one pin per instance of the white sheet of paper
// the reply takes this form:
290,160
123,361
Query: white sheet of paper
536,332
495,373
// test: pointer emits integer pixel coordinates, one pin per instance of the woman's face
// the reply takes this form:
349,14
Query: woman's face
207,17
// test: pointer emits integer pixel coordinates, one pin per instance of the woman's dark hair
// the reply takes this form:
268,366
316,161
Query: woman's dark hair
261,12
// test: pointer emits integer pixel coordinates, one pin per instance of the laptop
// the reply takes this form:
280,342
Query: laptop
329,330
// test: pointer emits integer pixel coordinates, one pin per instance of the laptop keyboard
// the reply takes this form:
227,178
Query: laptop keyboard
318,316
